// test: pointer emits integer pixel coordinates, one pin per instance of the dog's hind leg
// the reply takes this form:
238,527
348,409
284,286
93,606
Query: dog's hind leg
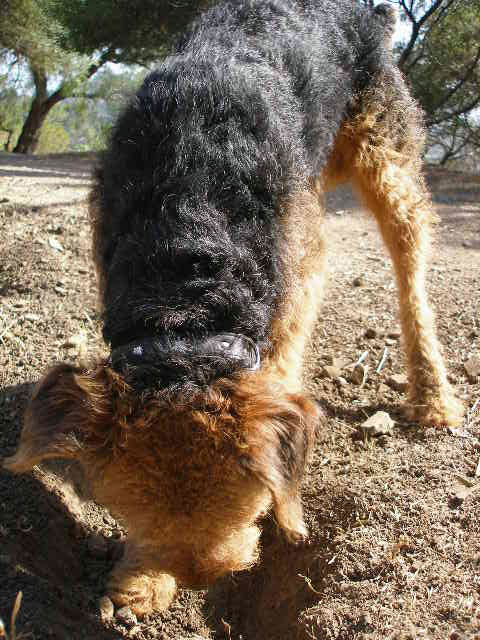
383,144
143,590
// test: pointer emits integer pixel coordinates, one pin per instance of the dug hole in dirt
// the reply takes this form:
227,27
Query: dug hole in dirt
394,551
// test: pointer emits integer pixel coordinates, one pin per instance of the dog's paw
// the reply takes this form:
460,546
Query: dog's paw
441,410
297,537
143,594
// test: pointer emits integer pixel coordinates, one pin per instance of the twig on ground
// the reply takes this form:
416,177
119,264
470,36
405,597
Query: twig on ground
309,584
382,360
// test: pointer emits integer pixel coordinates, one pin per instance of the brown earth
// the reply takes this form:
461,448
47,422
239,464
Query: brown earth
395,546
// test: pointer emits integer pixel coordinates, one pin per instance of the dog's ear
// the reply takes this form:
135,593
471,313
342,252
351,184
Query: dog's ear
280,441
52,420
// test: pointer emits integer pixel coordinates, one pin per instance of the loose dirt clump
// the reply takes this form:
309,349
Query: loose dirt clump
394,514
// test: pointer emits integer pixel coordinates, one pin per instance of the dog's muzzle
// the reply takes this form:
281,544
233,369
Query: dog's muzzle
241,350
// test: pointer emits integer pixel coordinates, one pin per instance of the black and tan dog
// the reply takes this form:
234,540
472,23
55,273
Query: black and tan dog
207,227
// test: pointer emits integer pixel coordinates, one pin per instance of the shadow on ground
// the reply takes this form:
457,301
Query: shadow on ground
44,551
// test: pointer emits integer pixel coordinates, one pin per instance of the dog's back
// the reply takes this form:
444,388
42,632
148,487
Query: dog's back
227,129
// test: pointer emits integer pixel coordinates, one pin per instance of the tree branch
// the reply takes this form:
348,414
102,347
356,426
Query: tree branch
461,81
417,25
459,112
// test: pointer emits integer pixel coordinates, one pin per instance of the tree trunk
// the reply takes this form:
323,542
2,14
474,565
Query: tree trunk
28,140
41,105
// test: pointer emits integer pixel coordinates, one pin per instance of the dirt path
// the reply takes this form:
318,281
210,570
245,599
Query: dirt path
394,550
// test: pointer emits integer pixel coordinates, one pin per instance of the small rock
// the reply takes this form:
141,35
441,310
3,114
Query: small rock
371,333
396,334
341,381
4,200
340,362
106,608
398,382
382,390
55,244
467,244
126,615
76,342
358,375
472,368
97,546
365,619
379,424
358,282
462,492
332,372
60,291
390,342
33,317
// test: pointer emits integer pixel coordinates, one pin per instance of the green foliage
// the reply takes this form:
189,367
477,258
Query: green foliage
13,108
442,64
53,137
29,30
445,67
128,31
71,41
84,123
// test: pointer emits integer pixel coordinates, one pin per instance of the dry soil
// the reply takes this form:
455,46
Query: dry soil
394,550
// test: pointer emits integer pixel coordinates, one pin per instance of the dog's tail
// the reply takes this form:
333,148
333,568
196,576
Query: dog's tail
58,417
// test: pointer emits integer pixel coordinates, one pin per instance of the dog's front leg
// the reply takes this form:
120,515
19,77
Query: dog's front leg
135,583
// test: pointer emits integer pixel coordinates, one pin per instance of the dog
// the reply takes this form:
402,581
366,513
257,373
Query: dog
209,246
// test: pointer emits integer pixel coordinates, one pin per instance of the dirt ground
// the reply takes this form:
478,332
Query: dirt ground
394,551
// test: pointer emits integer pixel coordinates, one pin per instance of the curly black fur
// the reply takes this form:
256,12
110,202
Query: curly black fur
237,119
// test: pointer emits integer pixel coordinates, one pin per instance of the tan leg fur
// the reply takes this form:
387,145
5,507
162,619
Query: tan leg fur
379,151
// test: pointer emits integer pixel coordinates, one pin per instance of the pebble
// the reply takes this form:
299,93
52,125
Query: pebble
378,425
106,608
33,317
126,615
371,333
340,362
382,390
329,371
399,382
358,282
358,374
472,368
76,341
394,335
365,619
